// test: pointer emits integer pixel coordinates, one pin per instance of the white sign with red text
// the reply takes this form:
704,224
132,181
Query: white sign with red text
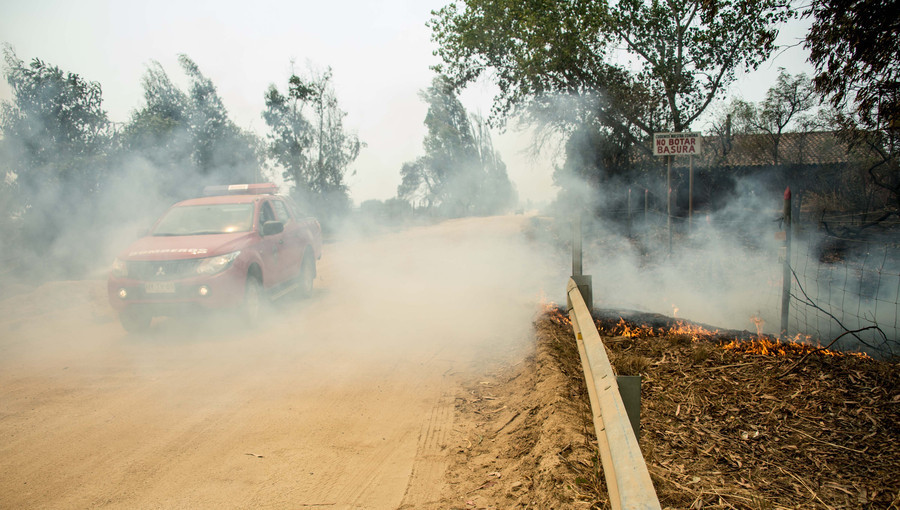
676,144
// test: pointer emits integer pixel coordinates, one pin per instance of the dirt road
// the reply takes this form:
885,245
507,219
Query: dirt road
339,401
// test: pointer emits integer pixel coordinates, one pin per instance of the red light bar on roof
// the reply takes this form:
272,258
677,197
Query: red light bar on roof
267,188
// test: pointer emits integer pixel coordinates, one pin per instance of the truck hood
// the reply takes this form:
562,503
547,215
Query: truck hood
185,247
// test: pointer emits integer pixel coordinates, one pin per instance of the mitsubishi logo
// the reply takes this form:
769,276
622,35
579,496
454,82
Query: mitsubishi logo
160,271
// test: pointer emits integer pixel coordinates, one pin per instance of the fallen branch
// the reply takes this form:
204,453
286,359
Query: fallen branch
809,302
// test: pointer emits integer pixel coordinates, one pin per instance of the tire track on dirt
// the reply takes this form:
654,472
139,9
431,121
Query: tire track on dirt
431,460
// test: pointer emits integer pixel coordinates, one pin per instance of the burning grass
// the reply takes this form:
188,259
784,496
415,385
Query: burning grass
735,420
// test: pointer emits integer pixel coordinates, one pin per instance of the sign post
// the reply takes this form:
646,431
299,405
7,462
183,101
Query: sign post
671,145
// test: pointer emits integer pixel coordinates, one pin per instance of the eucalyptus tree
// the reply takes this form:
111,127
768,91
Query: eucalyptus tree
222,151
55,129
185,137
461,173
789,103
55,139
853,46
308,140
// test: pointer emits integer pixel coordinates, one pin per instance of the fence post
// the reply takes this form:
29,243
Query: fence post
669,200
576,244
691,194
629,211
646,204
583,281
786,286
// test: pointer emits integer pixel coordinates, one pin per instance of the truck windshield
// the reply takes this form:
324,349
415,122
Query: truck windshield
192,220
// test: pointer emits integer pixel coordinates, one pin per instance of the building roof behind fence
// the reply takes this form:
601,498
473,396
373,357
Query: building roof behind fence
757,150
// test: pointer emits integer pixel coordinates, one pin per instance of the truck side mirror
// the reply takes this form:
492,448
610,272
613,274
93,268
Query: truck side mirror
272,227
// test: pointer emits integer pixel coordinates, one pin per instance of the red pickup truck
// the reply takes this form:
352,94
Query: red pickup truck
233,249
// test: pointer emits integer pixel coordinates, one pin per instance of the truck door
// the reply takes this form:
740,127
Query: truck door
271,247
295,240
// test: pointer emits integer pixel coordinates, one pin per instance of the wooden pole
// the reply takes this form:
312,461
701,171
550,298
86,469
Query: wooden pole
576,244
646,205
787,275
691,194
629,211
669,200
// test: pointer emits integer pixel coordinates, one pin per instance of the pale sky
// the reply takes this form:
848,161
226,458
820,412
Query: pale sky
380,53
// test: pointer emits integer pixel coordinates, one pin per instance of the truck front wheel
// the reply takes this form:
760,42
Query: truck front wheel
307,274
253,300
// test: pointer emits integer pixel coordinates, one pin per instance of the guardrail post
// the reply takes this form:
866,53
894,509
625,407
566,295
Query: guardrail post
630,391
582,280
576,245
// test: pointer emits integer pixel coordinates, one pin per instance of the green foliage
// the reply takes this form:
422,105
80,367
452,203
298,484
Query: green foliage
789,100
789,103
460,173
187,137
315,154
55,129
416,186
593,156
159,133
54,146
854,47
680,53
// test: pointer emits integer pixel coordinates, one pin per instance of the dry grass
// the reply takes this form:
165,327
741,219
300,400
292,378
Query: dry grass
725,427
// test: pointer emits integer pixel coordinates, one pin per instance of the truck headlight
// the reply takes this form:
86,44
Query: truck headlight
213,265
119,268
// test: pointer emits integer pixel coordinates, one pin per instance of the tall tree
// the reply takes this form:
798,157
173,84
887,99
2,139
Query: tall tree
498,192
290,135
790,100
55,138
55,128
415,186
460,173
187,137
853,46
678,55
221,150
160,134
308,140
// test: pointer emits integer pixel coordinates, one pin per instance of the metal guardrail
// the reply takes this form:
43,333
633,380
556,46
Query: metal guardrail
627,477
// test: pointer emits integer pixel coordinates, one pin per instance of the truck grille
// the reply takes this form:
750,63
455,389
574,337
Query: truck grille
162,270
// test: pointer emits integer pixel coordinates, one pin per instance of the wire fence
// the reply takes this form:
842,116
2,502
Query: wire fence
845,289
848,287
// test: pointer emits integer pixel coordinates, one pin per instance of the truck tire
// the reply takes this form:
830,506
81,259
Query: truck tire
307,274
253,300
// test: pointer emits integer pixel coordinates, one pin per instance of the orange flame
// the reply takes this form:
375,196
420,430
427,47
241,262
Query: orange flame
762,345
799,345
554,313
